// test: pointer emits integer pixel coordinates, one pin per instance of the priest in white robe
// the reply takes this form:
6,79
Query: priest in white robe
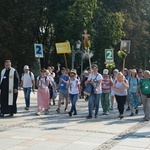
9,89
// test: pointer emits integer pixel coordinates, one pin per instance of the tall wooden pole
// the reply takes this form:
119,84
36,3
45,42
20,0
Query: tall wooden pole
90,64
39,62
124,60
66,62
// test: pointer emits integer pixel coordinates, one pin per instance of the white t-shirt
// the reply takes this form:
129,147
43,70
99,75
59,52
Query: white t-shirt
44,80
73,88
96,78
27,79
120,86
51,79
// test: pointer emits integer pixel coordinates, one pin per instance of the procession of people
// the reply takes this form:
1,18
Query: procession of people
126,87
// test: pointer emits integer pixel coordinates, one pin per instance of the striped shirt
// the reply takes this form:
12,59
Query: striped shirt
106,85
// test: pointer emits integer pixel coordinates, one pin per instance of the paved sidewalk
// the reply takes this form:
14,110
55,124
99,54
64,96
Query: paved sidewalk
26,131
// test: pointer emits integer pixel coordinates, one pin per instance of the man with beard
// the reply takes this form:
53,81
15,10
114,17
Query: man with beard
9,89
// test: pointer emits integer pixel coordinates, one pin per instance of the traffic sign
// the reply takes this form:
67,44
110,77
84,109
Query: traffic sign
63,47
38,48
125,45
109,56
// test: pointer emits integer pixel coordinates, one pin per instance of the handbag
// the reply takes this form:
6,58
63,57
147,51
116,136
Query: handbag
88,89
53,93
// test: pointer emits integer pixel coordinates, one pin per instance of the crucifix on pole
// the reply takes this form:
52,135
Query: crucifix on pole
85,35
87,45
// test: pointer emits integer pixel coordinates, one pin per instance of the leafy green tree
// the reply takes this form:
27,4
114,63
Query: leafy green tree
135,28
108,32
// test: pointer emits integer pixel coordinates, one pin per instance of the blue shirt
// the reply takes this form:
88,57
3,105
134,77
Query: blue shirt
63,84
127,77
133,84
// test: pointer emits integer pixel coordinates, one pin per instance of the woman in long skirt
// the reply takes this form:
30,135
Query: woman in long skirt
43,95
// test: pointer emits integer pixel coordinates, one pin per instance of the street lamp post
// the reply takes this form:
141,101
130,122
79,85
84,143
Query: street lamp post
78,46
87,44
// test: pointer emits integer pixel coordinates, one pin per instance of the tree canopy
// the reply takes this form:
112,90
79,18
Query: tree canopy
25,22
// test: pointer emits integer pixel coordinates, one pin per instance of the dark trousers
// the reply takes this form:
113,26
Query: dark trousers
120,102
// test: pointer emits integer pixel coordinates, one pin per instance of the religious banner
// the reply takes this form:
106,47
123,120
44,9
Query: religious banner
125,45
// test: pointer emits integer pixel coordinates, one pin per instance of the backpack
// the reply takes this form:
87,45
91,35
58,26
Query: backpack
136,80
89,88
49,86
29,74
77,80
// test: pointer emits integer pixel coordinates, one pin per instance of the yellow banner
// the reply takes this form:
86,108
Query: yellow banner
62,48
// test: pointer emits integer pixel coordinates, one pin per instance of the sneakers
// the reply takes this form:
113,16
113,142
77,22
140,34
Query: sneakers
87,98
11,115
136,111
62,102
26,108
58,110
132,114
103,113
46,112
65,110
89,117
121,116
53,102
96,116
146,118
111,108
107,113
128,108
75,113
38,113
70,113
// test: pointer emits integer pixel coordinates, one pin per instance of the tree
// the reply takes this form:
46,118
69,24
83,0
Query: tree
108,32
135,28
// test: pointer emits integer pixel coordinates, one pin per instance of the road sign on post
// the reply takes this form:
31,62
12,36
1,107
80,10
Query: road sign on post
38,48
109,56
125,45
